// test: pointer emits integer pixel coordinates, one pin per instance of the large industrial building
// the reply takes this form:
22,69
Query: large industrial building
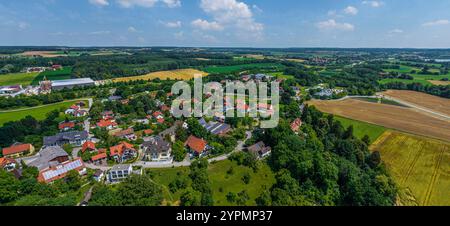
71,83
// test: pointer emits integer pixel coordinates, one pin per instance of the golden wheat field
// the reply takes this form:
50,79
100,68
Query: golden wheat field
181,74
420,166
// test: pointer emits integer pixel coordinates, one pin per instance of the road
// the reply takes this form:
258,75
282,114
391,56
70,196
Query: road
185,163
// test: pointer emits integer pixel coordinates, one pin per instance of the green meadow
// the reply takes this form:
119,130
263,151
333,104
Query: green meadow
361,129
243,67
17,79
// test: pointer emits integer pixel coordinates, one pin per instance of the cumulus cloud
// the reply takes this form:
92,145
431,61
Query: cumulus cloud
436,23
172,24
233,14
206,25
132,29
396,31
172,3
141,3
99,2
374,4
351,10
333,25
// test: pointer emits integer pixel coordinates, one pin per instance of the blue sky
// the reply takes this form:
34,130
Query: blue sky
227,23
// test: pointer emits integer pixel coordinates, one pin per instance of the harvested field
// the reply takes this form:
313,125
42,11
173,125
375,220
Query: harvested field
41,53
420,167
434,103
181,74
439,83
389,116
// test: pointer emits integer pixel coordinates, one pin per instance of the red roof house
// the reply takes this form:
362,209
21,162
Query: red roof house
106,124
18,150
66,125
99,157
196,144
296,124
88,145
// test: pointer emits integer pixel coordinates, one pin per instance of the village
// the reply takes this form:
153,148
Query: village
139,144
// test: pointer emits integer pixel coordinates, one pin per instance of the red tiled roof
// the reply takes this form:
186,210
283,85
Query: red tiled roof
156,114
66,125
128,131
88,145
16,149
160,120
99,156
101,150
75,107
148,131
196,144
120,148
63,174
296,124
106,123
5,161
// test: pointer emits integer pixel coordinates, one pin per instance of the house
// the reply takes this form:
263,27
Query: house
148,132
157,149
119,172
171,132
11,90
216,128
99,158
18,150
165,108
49,156
75,138
260,150
8,164
126,134
76,111
123,152
56,67
98,175
197,146
158,115
160,120
296,124
107,124
66,126
88,146
61,170
106,115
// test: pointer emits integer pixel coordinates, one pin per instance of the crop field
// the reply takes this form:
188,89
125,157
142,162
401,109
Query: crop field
181,74
38,113
439,83
434,103
17,79
389,116
62,74
243,67
418,78
382,101
221,182
420,166
360,129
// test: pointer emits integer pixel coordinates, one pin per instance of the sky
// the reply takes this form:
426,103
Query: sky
227,23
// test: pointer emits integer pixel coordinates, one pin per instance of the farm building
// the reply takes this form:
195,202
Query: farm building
71,83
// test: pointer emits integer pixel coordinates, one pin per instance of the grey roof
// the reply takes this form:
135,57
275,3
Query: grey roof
259,148
172,130
98,173
66,136
214,127
121,167
73,82
45,156
113,98
156,145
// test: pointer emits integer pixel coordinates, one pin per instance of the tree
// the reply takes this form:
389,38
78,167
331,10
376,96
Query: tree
178,151
8,187
138,190
73,180
231,197
366,139
190,198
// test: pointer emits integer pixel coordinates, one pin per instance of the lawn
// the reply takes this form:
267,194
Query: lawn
38,112
420,166
243,67
64,73
360,129
24,79
281,75
418,78
222,183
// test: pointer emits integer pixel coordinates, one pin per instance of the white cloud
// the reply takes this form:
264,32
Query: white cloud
396,31
172,3
351,10
132,29
22,25
234,14
174,24
436,23
132,3
333,25
206,25
374,4
99,2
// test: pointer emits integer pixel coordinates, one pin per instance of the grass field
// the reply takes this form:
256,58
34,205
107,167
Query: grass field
181,74
37,112
17,79
64,73
221,182
360,129
420,166
394,117
418,78
243,67
281,75
382,101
